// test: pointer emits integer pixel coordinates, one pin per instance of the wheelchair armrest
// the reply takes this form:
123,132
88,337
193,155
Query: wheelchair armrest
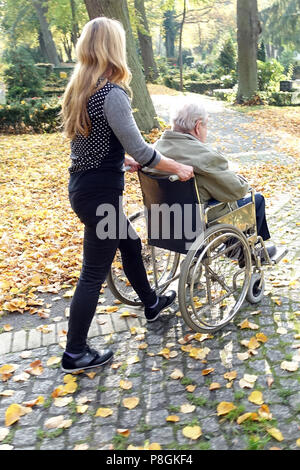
208,208
251,191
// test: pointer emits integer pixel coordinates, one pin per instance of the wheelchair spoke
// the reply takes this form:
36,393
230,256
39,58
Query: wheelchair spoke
216,291
220,280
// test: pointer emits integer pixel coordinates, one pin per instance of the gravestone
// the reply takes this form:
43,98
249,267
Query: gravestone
2,95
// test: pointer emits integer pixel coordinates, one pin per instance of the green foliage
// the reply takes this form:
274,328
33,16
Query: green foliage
19,22
227,57
284,98
162,65
30,115
257,442
286,58
202,88
187,57
197,401
228,95
170,29
269,75
21,76
281,23
261,52
195,81
228,81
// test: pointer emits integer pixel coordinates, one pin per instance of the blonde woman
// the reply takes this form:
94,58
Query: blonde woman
98,120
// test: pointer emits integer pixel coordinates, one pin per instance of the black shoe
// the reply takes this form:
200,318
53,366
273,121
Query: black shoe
164,301
271,252
236,252
89,359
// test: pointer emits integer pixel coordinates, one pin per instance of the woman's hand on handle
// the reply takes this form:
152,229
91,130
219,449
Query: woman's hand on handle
131,165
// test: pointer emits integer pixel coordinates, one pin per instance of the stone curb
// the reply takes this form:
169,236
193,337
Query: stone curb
11,342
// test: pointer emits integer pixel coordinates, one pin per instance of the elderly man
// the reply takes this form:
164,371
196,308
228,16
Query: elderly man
185,143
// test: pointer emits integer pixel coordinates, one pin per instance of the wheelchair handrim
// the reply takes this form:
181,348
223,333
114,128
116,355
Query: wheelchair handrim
205,246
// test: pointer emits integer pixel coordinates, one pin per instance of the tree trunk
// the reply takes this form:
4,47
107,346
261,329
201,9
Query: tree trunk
170,30
180,45
248,30
142,105
43,49
145,41
75,28
50,48
68,48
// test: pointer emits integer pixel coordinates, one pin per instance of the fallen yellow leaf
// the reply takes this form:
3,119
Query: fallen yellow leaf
125,384
60,402
274,432
165,352
69,378
290,366
247,324
192,432
214,386
172,418
225,407
230,375
8,368
81,408
177,374
245,416
13,414
53,360
153,446
190,388
261,337
133,360
264,412
123,432
256,397
7,327
69,387
253,343
104,412
38,401
187,408
131,402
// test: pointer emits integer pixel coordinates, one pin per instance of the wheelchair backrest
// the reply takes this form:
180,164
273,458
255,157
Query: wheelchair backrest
173,212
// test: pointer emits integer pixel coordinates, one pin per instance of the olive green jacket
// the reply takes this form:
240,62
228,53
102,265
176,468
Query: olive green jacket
213,178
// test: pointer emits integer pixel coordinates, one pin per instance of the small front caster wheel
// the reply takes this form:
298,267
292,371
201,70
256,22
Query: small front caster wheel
256,289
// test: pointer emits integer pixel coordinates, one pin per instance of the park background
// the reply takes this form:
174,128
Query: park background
249,80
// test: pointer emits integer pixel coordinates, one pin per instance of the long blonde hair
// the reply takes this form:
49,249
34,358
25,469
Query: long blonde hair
101,46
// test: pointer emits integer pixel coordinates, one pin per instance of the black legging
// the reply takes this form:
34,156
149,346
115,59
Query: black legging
98,255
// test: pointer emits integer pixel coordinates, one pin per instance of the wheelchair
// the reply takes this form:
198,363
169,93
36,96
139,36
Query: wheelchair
181,243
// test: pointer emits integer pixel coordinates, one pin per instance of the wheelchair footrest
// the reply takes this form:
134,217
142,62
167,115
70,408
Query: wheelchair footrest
279,255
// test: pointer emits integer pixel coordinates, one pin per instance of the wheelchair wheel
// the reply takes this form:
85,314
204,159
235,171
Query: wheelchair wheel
256,288
161,266
212,286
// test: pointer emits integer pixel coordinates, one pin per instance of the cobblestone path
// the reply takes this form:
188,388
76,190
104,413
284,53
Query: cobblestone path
148,370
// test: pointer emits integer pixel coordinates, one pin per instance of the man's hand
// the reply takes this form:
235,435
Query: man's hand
134,166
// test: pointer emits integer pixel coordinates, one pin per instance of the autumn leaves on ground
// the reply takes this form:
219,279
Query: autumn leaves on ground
41,252
41,237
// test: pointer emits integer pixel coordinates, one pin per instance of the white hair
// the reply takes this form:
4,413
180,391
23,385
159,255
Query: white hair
185,115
